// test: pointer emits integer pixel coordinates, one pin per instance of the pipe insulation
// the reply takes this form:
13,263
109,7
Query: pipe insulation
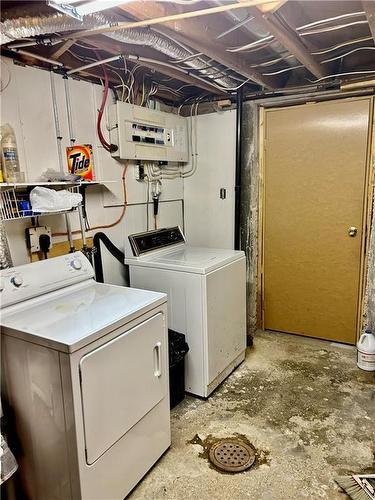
27,26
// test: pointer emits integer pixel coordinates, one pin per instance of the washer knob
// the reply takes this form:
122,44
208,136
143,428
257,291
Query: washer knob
76,264
16,281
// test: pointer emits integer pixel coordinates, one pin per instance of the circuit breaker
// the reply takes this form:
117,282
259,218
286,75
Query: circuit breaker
146,134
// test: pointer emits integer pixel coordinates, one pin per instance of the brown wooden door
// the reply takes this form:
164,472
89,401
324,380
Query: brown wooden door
315,164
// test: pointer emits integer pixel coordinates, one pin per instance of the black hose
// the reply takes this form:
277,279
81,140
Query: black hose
98,264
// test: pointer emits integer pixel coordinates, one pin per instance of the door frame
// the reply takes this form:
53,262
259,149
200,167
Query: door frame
367,206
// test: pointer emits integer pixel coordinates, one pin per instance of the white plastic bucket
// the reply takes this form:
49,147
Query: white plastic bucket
366,352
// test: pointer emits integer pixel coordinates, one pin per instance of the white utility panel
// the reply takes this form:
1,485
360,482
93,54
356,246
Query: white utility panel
146,134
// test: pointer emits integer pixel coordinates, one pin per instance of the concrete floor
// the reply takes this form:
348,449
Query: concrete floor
301,402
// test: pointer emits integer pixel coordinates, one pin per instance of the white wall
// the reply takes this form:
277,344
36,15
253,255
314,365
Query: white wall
209,220
27,105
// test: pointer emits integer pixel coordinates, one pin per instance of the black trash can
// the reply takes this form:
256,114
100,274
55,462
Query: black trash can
178,349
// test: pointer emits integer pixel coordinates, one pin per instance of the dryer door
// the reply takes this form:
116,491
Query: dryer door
121,381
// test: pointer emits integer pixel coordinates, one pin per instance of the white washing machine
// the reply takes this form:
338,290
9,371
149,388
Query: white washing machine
86,375
206,291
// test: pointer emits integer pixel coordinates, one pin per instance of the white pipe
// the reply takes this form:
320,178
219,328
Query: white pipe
37,56
32,43
19,45
92,65
57,121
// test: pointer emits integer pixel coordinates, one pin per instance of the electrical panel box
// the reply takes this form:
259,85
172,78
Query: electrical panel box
146,134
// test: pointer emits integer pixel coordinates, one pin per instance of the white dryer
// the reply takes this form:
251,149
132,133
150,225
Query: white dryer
86,374
206,291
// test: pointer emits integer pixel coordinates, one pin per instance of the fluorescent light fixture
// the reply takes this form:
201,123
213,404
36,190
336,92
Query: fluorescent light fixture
98,5
89,7
65,8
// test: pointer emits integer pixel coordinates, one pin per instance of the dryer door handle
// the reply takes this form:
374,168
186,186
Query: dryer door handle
157,360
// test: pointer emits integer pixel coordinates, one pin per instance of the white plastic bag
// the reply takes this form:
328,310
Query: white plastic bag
48,200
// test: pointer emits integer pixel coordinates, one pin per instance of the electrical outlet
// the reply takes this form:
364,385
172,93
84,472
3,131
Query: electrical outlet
140,173
32,237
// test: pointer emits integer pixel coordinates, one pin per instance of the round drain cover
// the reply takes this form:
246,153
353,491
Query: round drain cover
231,455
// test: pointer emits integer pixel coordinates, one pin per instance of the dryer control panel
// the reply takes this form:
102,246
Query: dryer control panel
149,241
37,278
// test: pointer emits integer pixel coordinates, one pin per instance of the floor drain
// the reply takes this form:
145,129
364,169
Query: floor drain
231,455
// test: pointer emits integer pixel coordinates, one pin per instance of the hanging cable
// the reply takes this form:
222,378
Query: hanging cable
283,70
331,28
117,221
252,44
235,27
106,145
346,54
329,19
364,72
272,61
340,45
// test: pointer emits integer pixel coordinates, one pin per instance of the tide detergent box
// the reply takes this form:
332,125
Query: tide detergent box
80,161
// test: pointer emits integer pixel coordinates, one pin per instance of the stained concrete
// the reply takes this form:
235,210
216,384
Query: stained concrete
302,403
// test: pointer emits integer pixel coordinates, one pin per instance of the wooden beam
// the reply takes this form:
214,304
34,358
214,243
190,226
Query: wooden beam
272,7
171,17
56,54
199,35
369,8
289,40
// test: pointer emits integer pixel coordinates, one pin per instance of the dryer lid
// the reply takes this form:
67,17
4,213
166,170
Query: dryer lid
71,318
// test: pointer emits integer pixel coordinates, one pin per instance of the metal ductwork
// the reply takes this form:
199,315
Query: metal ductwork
5,257
26,27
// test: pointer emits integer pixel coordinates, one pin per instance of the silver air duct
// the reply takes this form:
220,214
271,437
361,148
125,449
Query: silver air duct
25,27
5,257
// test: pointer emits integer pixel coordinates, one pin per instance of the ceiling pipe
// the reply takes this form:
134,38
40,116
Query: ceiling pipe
131,57
92,65
36,56
363,84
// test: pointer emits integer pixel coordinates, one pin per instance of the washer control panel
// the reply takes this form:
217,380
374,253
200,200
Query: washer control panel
37,278
149,241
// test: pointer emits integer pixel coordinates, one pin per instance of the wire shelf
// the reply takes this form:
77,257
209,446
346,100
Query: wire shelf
15,204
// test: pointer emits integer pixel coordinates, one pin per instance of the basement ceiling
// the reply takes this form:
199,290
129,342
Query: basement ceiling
185,49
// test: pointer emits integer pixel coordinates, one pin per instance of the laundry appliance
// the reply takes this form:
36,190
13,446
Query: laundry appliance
86,377
206,291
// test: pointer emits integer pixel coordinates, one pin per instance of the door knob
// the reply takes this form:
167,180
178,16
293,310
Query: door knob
352,231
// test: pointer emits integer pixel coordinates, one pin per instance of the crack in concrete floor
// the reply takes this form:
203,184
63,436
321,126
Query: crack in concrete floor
302,402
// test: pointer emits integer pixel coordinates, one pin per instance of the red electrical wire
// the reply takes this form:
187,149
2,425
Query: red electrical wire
106,145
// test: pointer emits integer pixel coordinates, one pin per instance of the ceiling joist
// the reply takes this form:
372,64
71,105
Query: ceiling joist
198,36
369,8
171,17
56,54
289,40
